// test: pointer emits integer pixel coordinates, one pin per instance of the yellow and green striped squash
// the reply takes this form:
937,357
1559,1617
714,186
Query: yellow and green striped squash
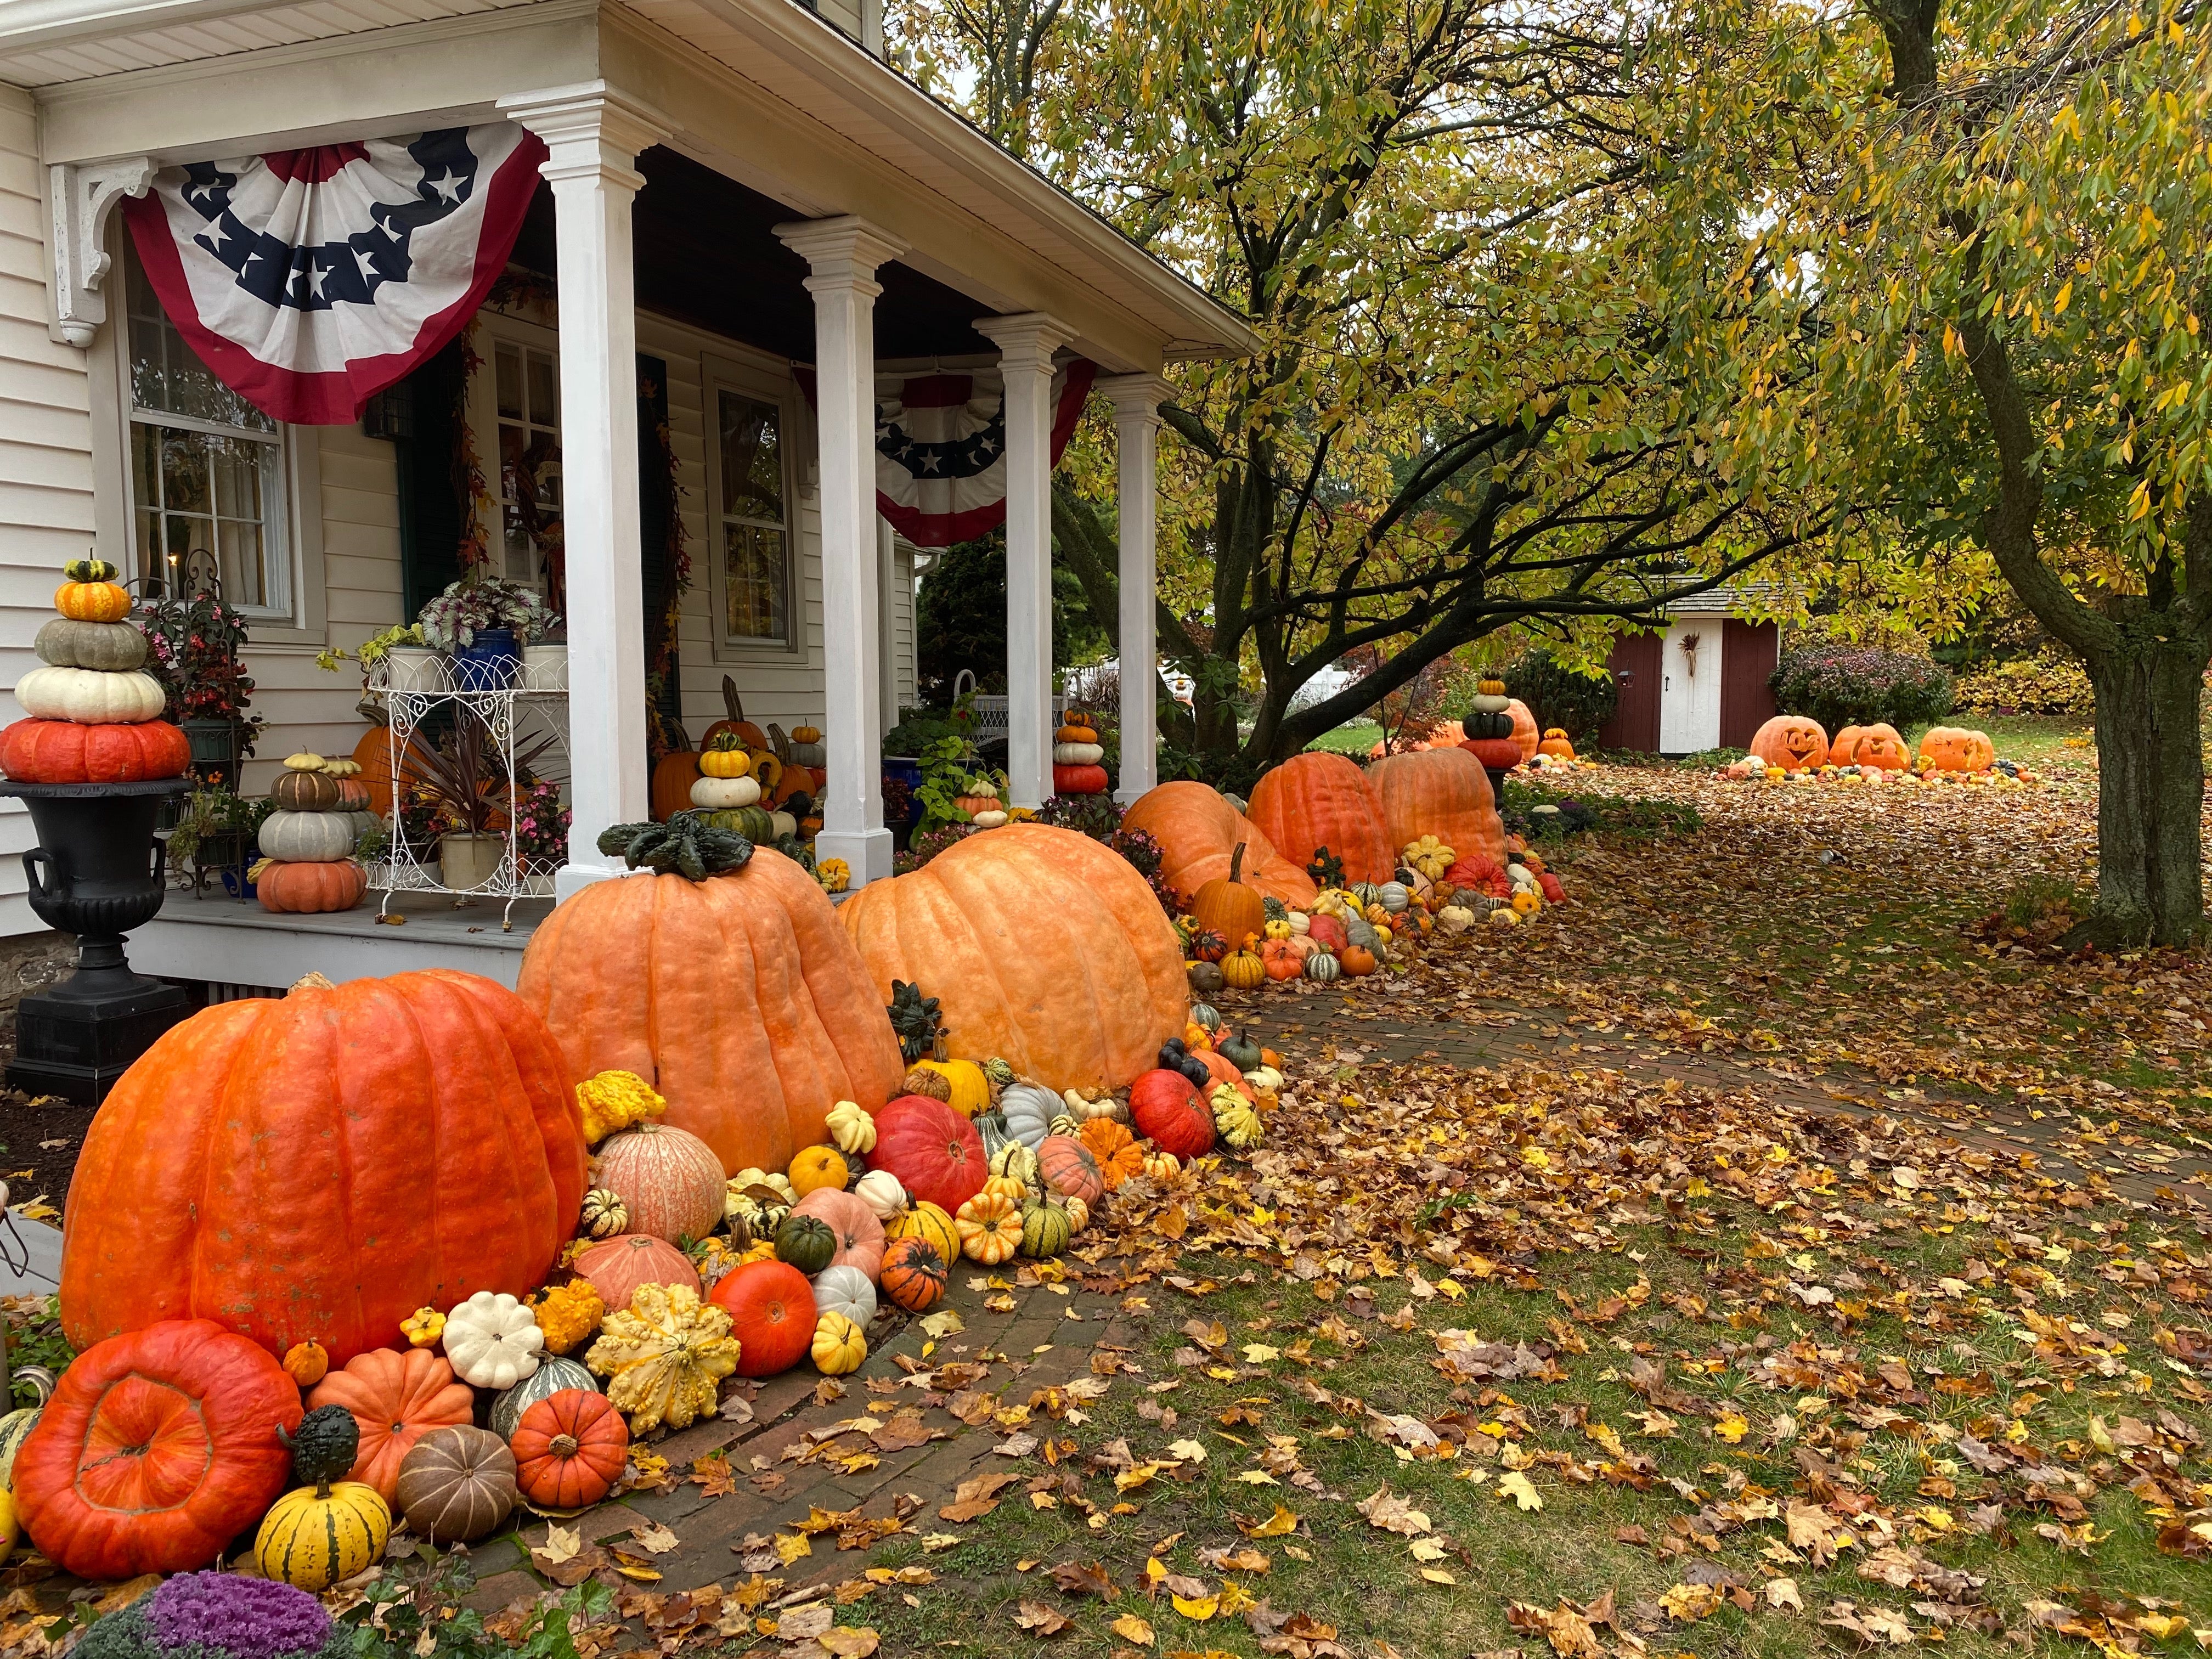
311,1538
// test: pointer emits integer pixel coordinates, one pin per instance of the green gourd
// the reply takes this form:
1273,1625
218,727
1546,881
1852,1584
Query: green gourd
806,1241
1239,1051
324,1446
553,1374
1046,1229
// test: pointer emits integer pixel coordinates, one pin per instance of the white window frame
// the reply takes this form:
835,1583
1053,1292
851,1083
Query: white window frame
295,523
483,413
718,373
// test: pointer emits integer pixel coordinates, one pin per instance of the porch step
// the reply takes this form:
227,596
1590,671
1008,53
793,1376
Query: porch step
215,940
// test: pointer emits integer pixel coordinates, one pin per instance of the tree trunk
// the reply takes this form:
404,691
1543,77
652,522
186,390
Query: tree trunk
2150,793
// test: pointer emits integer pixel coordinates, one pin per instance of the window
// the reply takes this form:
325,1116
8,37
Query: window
749,491
526,385
207,468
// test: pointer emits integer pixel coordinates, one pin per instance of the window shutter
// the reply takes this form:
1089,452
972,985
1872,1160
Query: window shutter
433,491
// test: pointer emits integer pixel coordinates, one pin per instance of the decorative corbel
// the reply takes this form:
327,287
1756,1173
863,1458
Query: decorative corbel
83,195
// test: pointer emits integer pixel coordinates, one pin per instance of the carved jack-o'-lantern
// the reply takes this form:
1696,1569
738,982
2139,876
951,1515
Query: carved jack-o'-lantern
1955,748
1878,745
1792,742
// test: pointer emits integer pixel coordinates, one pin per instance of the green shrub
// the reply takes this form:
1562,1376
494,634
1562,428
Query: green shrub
1557,695
1849,685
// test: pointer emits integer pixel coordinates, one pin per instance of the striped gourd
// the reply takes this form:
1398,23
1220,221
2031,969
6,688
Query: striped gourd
312,1538
13,1428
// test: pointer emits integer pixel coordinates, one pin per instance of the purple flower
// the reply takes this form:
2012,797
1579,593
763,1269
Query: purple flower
249,1618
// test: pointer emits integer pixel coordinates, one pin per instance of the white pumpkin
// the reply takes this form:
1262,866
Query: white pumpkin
1393,896
1078,1212
782,824
851,1126
1489,704
1455,918
846,1290
987,820
1300,922
1078,754
721,794
492,1341
880,1191
91,697
307,837
1029,1110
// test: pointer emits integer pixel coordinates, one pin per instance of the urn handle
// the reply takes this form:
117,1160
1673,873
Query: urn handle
44,874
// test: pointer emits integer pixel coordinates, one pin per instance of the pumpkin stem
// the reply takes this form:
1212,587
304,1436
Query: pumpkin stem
562,1445
312,981
1236,863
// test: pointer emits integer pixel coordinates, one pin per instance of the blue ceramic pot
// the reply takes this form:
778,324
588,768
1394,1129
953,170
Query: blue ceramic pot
488,662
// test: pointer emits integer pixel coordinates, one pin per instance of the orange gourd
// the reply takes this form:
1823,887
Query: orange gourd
1198,831
619,1266
396,1398
1316,800
1042,947
1557,744
1443,793
1792,742
1227,907
1956,748
916,1274
569,1450
1877,745
739,997
1119,1157
262,1165
1358,961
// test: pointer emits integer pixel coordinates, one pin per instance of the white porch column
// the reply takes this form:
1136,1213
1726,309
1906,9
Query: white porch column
593,134
1137,400
1025,345
844,254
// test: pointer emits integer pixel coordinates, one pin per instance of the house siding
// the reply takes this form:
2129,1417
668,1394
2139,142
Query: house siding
46,455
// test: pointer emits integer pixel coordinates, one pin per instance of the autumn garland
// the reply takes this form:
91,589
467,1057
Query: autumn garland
661,740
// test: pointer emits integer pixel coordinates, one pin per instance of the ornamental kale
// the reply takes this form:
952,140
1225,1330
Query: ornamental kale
217,1615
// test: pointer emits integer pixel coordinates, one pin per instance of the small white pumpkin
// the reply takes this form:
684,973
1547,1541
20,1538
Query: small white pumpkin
721,794
880,1191
987,820
774,1180
1266,1079
1082,1111
91,697
1300,922
492,1341
1455,918
1078,1212
1078,754
1029,1110
851,1126
782,824
846,1290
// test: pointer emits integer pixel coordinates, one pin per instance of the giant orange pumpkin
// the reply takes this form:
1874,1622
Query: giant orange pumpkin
1877,745
738,998
1792,742
158,1448
1956,748
1198,831
1443,793
318,1166
1315,800
62,751
1041,946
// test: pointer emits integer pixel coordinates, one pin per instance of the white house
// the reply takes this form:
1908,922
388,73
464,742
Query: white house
745,215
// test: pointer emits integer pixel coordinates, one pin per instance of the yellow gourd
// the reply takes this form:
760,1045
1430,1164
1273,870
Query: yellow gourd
614,1100
315,1536
971,1089
990,1227
838,1348
568,1313
819,1166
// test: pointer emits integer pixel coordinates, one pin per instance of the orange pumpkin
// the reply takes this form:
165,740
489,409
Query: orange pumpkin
1316,800
1282,959
396,1399
1956,748
1877,745
672,779
373,755
1358,961
262,1165
1556,744
739,998
304,888
1443,793
916,1274
1198,832
1792,742
1227,907
737,725
1042,948
1524,729
1119,1157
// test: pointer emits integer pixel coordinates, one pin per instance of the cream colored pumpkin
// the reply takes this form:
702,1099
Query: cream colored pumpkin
721,794
307,837
852,1127
492,1341
91,697
879,1189
1455,918
1078,754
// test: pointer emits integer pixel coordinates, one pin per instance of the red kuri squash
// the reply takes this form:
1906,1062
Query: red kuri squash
158,1448
569,1449
263,1165
627,1261
1171,1113
771,1310
933,1151
396,1398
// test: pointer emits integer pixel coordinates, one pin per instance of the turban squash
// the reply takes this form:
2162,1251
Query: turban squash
1443,793
262,1165
1317,800
1199,832
1040,945
738,998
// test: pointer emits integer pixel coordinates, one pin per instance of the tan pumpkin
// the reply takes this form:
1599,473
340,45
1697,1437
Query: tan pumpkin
668,1179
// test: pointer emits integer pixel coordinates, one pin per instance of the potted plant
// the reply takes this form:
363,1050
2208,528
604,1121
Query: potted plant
541,836
194,641
467,779
483,623
410,664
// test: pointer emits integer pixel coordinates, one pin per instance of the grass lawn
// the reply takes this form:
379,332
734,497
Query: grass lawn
1356,738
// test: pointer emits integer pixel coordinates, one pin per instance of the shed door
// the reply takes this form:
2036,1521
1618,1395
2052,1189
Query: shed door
1635,722
1746,696
1690,687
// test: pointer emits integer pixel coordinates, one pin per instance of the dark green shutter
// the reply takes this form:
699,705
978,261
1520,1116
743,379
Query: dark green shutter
433,492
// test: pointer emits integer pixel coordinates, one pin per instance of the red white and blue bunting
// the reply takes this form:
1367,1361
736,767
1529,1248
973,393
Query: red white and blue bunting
309,280
941,449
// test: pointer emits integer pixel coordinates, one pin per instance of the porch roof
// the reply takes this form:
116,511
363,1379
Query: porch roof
763,91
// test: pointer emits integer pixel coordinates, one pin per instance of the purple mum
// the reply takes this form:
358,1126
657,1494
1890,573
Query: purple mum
250,1617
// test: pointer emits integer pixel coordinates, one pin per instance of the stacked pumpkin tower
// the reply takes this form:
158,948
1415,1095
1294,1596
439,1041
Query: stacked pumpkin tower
307,865
95,713
1077,756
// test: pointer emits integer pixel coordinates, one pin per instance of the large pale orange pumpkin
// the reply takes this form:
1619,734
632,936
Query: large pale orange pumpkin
1956,748
1525,732
1443,793
1198,831
318,1166
1792,742
373,754
738,998
1878,745
1316,800
1040,945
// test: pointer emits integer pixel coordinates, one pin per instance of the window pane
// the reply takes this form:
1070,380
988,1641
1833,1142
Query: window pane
544,391
754,581
237,467
184,471
753,458
510,381
242,565
166,374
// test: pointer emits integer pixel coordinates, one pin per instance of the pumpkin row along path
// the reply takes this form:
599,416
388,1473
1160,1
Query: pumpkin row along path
799,1481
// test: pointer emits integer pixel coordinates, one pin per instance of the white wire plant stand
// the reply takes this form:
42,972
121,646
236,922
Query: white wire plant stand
525,725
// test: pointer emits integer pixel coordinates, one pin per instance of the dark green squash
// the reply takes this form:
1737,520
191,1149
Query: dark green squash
1239,1051
323,1447
807,1243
